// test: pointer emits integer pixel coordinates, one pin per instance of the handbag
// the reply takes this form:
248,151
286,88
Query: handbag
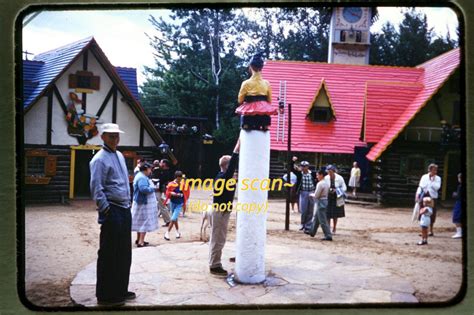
416,212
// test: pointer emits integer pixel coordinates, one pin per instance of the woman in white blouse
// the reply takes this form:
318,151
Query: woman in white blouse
337,192
429,186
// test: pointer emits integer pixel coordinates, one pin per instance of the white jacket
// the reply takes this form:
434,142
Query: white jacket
429,185
338,182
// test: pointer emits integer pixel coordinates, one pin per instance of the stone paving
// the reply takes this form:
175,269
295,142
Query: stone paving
178,274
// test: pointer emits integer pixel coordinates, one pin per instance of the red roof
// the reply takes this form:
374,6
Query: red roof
384,103
435,73
350,88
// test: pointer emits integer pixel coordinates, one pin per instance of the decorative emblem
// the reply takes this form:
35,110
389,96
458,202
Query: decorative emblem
80,125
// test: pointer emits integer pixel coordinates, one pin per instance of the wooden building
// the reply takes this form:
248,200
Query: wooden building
393,120
67,93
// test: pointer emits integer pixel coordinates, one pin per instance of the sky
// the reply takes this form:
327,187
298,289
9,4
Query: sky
122,33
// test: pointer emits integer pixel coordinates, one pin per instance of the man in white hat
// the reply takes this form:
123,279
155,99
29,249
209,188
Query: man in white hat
111,191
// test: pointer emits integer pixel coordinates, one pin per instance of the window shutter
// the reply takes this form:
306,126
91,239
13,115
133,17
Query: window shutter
95,83
50,166
72,81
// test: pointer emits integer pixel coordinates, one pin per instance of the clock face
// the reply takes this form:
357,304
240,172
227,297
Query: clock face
352,14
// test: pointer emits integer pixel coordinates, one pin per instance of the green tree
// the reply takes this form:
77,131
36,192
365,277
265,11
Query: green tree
308,35
412,45
197,71
383,49
415,39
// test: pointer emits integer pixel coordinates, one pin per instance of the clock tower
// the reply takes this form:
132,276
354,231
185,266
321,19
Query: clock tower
349,35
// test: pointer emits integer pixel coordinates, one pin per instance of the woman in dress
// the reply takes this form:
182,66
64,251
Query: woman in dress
255,97
337,190
144,206
354,180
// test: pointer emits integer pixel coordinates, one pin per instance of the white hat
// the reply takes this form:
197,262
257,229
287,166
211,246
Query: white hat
304,163
110,128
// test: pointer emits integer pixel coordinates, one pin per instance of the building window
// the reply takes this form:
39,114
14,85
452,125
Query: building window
35,166
84,81
40,167
414,165
320,114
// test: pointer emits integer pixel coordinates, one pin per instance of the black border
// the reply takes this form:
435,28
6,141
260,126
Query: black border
7,191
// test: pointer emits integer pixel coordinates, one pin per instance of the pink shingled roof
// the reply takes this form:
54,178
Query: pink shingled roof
385,102
392,96
435,73
346,86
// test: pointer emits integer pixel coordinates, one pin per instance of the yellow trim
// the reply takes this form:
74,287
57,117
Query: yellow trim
445,175
322,85
448,155
86,147
414,114
71,173
73,163
82,90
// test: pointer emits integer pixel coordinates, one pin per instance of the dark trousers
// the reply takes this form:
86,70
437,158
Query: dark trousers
115,255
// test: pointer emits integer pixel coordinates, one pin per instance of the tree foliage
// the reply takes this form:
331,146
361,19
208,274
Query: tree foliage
413,44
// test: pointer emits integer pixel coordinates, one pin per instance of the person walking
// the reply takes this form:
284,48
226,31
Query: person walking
320,196
337,190
144,205
220,219
429,185
177,194
110,189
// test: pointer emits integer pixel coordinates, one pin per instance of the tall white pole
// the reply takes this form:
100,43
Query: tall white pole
254,164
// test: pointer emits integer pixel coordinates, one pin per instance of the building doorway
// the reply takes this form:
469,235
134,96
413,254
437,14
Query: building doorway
80,174
83,175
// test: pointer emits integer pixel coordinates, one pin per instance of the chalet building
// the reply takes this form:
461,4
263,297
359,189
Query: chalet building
393,120
67,93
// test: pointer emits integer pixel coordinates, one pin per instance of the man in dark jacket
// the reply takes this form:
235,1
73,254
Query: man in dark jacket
220,219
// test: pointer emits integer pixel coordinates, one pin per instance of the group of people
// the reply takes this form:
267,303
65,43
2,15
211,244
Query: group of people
119,215
151,183
426,200
111,190
320,196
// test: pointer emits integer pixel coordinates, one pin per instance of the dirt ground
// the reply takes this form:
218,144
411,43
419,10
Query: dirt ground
61,240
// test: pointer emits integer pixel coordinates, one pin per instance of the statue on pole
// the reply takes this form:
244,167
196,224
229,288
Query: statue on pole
255,108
